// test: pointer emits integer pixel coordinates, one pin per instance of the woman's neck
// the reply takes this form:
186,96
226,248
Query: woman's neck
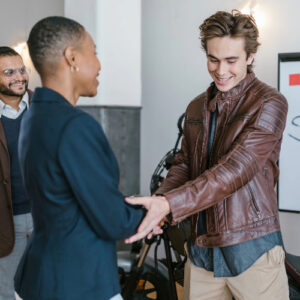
63,86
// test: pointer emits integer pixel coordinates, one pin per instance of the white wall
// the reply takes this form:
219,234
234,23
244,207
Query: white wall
116,28
18,16
174,71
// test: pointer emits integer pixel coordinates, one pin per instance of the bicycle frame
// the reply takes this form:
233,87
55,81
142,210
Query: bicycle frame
137,268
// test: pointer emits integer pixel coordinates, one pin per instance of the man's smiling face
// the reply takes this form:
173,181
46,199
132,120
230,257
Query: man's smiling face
227,61
13,76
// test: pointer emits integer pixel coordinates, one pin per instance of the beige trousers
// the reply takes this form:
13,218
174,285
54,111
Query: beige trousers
266,279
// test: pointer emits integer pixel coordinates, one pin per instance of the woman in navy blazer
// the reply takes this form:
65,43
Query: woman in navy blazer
71,175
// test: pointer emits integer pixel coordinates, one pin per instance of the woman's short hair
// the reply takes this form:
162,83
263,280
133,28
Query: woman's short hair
234,24
49,38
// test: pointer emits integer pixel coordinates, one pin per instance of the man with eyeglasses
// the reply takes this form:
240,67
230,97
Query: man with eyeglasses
15,217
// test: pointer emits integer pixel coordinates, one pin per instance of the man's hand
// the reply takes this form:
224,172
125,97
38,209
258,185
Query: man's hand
158,207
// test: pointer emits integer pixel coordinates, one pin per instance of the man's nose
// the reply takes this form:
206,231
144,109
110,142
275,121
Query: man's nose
221,70
19,76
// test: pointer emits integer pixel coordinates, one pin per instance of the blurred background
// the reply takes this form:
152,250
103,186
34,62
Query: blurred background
152,67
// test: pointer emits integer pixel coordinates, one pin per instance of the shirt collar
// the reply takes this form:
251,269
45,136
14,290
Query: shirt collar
25,99
24,102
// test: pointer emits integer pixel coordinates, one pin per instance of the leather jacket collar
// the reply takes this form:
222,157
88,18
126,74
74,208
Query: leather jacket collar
233,94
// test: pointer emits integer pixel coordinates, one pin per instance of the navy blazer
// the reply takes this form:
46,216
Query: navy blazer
71,177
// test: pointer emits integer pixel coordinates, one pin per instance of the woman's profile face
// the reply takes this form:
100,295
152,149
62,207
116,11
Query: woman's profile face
89,68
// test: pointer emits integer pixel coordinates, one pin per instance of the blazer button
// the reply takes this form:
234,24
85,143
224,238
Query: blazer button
5,181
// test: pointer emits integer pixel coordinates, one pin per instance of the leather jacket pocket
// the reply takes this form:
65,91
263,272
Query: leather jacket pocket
253,202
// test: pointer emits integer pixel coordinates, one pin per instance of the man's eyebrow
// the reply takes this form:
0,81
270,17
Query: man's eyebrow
211,56
232,57
227,58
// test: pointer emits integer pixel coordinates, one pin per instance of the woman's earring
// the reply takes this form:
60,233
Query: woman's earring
74,68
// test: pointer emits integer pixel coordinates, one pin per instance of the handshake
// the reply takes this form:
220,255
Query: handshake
157,208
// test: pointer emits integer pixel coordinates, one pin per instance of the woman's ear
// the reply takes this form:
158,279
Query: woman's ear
69,55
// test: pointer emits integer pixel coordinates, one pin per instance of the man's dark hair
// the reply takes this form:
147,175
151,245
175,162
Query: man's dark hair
7,51
48,39
234,24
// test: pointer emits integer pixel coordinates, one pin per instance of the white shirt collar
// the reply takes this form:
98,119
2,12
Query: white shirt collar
24,103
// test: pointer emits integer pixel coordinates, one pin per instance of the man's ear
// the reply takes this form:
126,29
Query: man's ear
69,55
250,58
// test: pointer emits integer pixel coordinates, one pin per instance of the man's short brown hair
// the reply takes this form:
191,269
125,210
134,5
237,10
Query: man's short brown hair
234,24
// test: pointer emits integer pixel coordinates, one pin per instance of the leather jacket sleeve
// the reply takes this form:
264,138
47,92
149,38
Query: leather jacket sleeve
235,169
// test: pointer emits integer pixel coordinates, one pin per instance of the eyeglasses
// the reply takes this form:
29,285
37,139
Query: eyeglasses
13,72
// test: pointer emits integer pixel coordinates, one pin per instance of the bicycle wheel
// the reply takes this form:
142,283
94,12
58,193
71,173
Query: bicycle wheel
152,285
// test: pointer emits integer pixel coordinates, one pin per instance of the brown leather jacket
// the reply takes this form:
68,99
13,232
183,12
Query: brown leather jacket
7,234
236,187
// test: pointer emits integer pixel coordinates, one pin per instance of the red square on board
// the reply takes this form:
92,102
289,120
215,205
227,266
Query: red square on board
294,79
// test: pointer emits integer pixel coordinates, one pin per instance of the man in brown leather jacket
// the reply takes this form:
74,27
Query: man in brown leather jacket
15,217
225,174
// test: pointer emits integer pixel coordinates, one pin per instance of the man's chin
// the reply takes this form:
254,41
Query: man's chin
13,94
18,92
224,87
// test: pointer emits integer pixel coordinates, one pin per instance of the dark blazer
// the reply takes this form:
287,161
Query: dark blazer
71,177
7,232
